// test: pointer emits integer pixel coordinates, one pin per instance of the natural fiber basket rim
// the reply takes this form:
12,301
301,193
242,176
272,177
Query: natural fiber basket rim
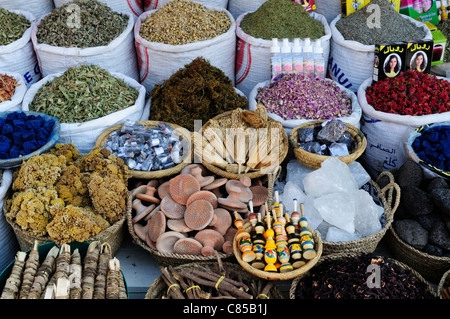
389,211
325,258
442,282
276,275
153,174
155,288
253,174
314,160
171,258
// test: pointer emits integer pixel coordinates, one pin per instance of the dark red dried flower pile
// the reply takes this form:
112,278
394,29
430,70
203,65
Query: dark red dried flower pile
410,93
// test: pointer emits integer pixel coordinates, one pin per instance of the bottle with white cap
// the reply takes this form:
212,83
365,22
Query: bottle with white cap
308,58
286,57
319,59
297,57
275,59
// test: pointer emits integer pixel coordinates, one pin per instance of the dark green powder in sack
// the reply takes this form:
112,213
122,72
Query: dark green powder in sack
366,27
281,19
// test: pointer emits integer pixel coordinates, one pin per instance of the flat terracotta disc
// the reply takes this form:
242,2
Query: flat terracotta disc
187,246
199,214
182,186
156,225
171,208
206,195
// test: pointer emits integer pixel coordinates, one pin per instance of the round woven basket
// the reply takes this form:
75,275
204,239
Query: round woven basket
158,289
187,157
429,266
368,244
340,256
276,275
312,160
113,235
444,283
284,148
164,258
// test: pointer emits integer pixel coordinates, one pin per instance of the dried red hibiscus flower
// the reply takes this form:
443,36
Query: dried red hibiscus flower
410,93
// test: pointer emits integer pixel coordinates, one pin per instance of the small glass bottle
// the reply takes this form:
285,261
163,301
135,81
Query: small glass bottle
308,58
319,60
297,57
275,59
286,57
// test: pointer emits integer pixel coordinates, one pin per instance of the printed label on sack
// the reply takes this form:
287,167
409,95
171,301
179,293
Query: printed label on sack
338,75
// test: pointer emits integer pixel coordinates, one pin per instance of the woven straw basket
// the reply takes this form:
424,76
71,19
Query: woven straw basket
113,235
164,258
276,275
429,266
158,289
312,160
390,202
443,283
340,256
284,148
186,136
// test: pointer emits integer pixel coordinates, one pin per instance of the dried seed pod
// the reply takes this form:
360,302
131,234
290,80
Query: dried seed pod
43,274
75,271
102,269
113,279
253,119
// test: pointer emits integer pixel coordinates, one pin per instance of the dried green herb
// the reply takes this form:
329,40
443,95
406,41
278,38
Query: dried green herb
199,91
180,22
281,19
393,27
12,26
83,93
97,25
444,27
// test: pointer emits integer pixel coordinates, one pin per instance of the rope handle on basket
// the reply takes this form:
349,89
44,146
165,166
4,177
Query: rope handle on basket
390,187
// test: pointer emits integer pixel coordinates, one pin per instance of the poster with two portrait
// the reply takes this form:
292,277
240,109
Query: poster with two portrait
394,58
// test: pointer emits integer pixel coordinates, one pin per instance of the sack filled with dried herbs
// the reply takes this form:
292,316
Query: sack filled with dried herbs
86,100
12,91
85,32
135,7
16,49
199,91
273,19
37,8
169,37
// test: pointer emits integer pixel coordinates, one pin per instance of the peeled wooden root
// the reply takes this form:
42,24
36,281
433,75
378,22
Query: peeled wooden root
31,267
113,279
102,270
75,274
90,270
13,283
43,274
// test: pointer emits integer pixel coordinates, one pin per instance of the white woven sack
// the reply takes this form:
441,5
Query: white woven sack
156,4
84,135
8,240
328,8
15,104
135,7
386,133
38,8
118,56
238,7
288,125
351,62
158,61
253,55
19,56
